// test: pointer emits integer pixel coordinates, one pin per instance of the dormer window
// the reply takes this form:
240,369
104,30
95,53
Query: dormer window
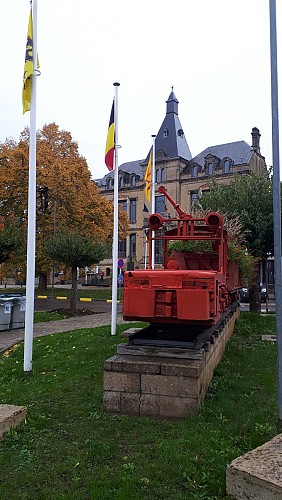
226,166
180,133
110,183
121,182
195,171
165,132
210,169
133,181
158,175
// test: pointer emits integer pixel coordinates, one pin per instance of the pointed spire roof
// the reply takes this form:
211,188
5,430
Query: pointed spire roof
171,138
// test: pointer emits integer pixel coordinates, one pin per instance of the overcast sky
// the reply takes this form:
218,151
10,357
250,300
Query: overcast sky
214,52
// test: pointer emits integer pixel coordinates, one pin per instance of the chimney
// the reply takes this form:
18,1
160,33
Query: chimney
255,139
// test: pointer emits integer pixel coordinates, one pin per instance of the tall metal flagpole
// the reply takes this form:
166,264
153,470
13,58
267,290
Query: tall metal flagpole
276,199
115,235
153,194
28,336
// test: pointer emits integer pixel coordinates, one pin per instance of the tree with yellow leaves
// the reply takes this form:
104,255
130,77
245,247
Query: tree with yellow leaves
66,195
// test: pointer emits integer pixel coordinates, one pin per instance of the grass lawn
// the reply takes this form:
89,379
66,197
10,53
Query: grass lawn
70,448
98,293
44,316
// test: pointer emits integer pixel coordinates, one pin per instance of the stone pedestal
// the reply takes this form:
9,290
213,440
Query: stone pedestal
162,382
257,474
11,416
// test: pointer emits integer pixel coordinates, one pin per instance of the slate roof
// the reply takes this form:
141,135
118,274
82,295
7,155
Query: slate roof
130,167
170,137
239,152
171,140
173,144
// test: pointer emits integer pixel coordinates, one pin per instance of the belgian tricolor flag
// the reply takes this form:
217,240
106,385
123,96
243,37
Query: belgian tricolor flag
110,144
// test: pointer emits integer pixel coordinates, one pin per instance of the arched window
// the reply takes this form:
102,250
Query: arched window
121,182
133,181
210,169
226,167
158,175
163,175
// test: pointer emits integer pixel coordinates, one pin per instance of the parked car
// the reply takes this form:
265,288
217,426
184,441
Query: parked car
244,293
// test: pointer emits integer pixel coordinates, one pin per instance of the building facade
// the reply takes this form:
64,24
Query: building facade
185,178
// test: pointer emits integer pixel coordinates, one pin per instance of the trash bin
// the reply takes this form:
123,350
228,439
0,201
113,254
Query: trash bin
6,306
18,312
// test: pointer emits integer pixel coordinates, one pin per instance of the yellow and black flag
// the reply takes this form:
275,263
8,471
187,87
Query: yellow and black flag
110,144
28,67
148,178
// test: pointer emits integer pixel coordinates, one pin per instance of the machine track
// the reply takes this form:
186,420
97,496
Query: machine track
181,336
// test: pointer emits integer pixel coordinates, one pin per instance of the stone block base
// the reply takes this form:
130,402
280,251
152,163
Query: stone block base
162,382
11,416
257,474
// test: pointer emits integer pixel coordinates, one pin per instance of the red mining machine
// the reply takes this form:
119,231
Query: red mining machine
191,297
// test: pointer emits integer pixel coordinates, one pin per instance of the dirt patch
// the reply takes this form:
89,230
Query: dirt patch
74,314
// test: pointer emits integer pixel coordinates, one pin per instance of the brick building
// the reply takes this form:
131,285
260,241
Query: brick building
184,177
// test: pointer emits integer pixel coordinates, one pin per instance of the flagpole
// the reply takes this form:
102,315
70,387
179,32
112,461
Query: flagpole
276,199
146,250
115,235
153,196
30,279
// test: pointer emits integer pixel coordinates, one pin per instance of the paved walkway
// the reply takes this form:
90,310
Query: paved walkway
10,337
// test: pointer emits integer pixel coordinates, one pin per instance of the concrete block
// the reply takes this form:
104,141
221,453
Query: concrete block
159,384
178,408
122,382
149,405
163,352
111,401
181,368
134,364
188,387
129,403
11,416
257,474
130,331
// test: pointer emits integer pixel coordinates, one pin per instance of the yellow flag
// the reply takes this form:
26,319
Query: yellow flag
148,178
28,67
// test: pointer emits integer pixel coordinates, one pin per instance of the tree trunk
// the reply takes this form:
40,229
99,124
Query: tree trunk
42,285
73,297
254,290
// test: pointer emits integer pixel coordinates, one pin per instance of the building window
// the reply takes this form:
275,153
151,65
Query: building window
210,168
110,183
159,252
160,205
226,167
123,205
108,271
195,171
133,181
165,132
163,175
145,222
132,210
194,197
132,245
158,176
121,182
122,248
